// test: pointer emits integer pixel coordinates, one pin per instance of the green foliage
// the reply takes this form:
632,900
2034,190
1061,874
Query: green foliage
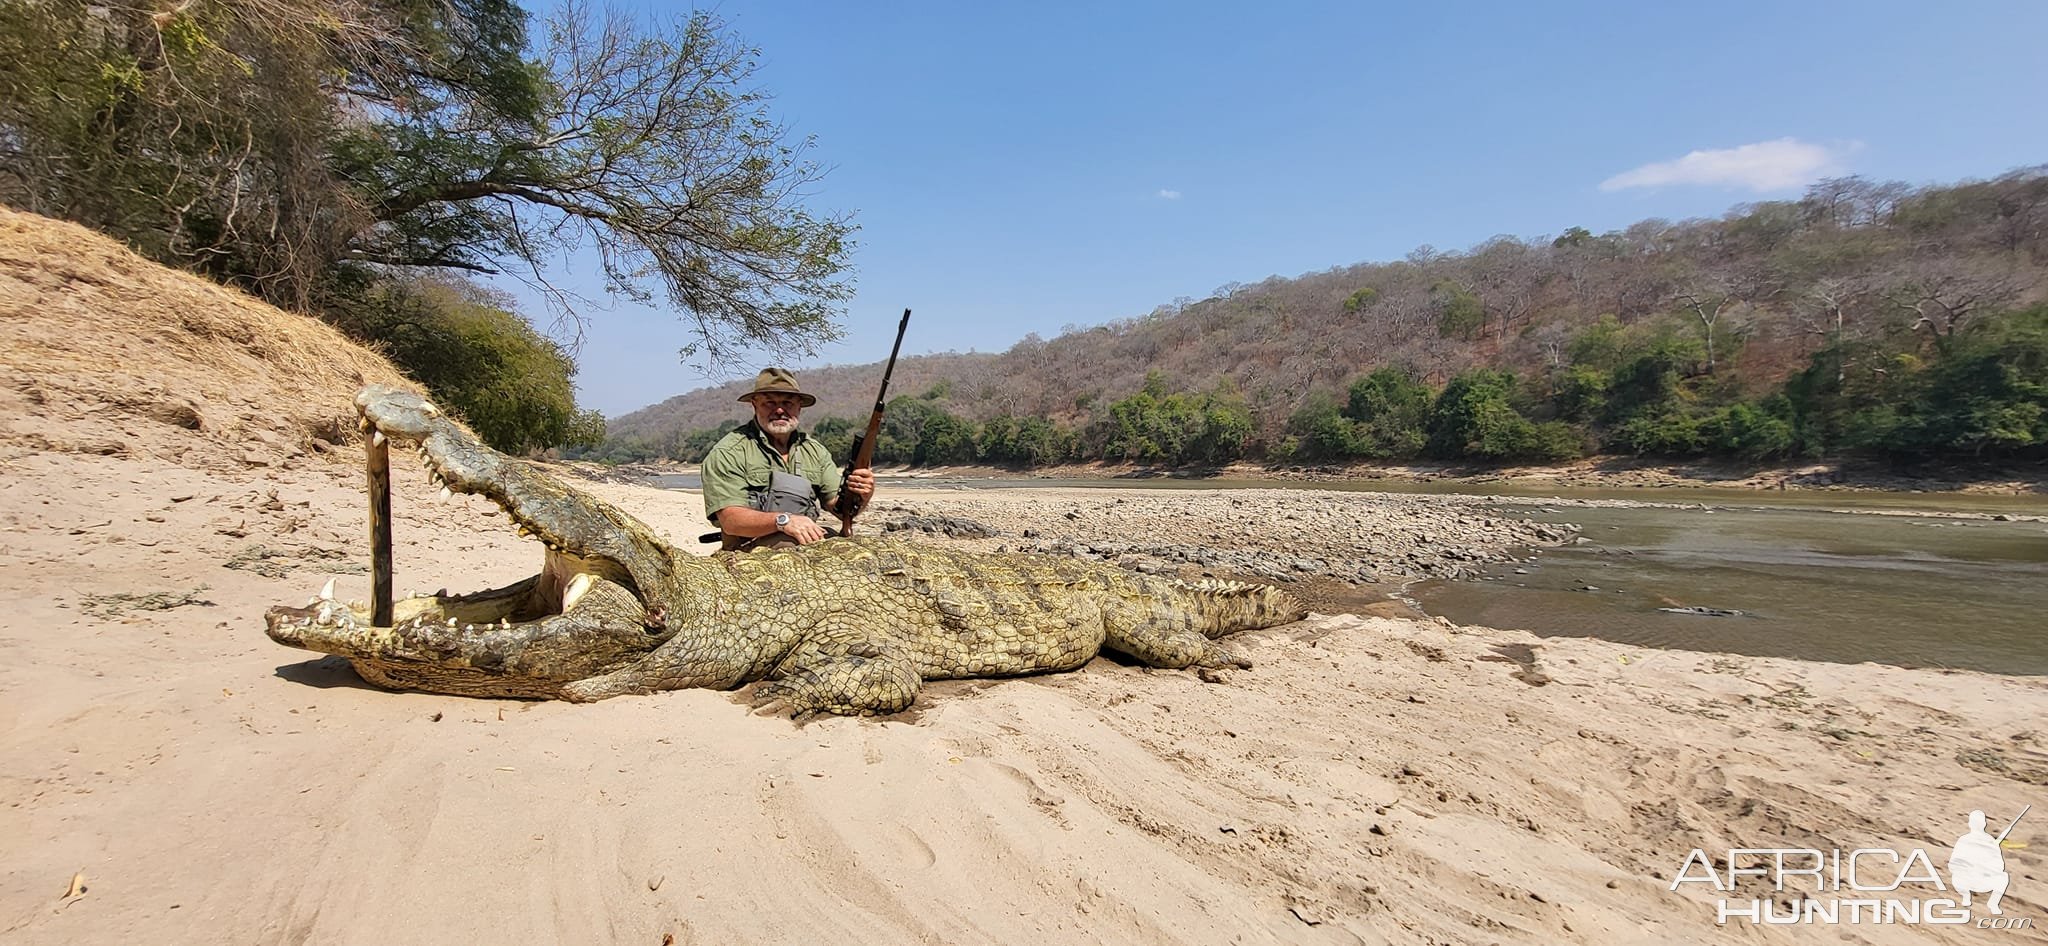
1152,426
1649,381
289,146
1320,431
1389,409
1361,300
1459,313
1474,418
1029,441
1601,345
835,434
509,382
1668,433
945,440
1580,394
648,141
1980,392
1751,432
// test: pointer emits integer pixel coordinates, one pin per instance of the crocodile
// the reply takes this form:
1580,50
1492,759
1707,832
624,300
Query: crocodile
850,625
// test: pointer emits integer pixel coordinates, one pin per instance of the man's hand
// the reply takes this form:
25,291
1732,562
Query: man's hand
803,529
861,483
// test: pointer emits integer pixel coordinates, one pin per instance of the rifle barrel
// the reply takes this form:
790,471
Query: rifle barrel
902,325
2015,822
864,442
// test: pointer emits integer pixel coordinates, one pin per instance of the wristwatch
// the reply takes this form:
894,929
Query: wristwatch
781,520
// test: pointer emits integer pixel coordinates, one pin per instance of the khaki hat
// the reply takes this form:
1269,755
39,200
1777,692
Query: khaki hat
778,381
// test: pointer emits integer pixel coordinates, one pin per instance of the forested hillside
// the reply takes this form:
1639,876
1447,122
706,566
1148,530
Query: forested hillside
1865,316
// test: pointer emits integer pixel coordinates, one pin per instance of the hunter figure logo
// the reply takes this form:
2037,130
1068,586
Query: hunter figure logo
1977,865
1865,885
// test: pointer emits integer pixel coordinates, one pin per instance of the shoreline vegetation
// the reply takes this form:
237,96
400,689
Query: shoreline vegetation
1601,473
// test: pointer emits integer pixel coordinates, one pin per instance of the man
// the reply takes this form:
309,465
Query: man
766,482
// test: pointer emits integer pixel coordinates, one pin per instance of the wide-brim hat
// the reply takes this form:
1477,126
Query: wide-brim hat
778,381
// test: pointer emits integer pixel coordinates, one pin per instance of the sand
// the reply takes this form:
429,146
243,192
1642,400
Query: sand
175,458
1369,780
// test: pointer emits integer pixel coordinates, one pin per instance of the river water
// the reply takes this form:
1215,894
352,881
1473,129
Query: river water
1902,588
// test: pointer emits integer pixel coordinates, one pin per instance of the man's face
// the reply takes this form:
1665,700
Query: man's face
777,413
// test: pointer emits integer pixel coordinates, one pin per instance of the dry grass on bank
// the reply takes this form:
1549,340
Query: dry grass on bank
104,352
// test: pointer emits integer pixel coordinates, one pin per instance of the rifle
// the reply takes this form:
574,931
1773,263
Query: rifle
861,454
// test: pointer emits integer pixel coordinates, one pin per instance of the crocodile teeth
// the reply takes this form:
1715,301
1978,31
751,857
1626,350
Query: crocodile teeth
376,438
578,587
327,590
362,423
504,623
451,622
429,407
446,493
469,627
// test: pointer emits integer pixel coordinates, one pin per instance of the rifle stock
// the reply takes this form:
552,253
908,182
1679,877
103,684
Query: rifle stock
861,454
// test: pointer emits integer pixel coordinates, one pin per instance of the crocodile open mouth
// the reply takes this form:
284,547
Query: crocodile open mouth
580,600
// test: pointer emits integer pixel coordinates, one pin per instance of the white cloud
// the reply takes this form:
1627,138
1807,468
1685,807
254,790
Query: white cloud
1169,195
1765,166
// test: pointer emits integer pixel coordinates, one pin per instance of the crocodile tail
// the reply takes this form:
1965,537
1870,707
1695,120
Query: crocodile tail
1226,606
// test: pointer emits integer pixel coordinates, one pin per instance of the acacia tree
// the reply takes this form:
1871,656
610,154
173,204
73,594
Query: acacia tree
282,144
650,145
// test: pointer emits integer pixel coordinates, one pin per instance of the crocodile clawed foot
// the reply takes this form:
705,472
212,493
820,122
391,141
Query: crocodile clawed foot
776,698
1224,658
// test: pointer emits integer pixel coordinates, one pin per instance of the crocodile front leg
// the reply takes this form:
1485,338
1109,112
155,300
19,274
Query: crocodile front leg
847,671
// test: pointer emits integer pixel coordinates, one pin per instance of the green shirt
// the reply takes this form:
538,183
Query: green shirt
739,464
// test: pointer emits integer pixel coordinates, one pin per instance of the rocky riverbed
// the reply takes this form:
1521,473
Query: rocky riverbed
1271,534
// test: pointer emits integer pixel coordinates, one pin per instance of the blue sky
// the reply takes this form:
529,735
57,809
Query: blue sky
1017,168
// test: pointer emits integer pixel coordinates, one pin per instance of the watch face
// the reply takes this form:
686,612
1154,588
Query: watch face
782,519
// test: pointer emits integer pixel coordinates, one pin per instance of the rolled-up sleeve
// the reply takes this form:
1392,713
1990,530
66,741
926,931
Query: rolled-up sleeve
725,479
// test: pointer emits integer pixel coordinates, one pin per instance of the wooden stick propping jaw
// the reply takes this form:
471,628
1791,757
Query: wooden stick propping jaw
378,464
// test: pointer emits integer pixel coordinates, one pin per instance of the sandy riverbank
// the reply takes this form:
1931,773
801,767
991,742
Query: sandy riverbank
175,458
1371,779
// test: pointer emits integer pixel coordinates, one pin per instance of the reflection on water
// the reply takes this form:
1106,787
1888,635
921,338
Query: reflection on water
1907,590
1923,592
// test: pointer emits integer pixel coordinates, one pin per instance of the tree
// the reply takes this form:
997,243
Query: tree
196,132
1460,313
482,361
1389,409
1473,417
1941,294
649,145
281,144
